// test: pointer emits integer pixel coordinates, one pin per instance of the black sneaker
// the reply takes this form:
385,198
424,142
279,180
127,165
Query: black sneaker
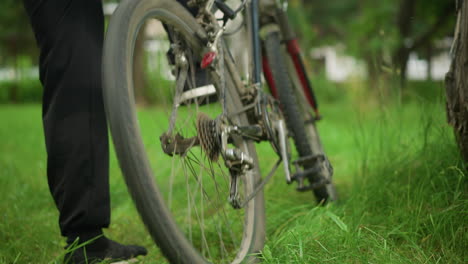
101,249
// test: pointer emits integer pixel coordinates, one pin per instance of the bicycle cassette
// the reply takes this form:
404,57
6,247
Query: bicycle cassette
209,136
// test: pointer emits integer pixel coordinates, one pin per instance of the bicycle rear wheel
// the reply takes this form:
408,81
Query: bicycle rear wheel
182,199
298,116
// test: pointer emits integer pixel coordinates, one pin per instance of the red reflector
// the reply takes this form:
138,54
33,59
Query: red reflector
208,58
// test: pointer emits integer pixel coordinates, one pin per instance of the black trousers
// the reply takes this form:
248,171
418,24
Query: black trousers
69,34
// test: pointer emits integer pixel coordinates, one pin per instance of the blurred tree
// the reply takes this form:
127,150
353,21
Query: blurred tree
420,23
381,33
372,36
16,39
321,22
456,81
17,43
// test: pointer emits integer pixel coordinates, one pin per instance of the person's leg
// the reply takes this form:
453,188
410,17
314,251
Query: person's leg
70,34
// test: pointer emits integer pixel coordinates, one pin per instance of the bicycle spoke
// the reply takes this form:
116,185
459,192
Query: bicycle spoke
196,189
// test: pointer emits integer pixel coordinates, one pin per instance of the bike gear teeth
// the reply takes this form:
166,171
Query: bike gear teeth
208,136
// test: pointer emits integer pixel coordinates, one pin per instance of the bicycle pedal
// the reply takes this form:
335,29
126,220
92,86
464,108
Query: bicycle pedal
315,185
307,160
305,174
314,173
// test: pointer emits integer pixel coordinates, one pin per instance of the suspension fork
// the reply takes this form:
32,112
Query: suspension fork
294,51
253,15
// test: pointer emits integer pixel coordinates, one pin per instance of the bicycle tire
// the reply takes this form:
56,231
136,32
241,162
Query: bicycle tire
164,228
296,111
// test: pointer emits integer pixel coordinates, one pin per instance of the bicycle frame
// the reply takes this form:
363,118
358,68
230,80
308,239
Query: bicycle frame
223,136
268,122
276,19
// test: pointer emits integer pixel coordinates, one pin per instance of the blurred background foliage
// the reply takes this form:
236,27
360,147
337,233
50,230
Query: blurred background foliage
18,54
396,164
381,34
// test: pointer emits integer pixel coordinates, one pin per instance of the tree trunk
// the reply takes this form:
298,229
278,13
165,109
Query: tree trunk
456,81
429,52
373,65
401,62
404,21
13,89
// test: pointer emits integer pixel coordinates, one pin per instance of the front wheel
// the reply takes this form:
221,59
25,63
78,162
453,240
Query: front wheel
298,117
183,197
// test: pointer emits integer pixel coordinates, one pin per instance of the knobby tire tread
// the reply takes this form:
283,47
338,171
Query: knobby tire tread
288,101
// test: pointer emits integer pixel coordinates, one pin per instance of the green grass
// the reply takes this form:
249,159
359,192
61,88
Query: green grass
402,185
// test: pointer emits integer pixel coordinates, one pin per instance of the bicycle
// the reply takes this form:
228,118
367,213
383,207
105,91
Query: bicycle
208,137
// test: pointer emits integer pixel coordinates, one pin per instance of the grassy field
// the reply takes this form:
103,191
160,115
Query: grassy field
402,185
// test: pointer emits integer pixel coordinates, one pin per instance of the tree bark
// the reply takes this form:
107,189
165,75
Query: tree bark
456,81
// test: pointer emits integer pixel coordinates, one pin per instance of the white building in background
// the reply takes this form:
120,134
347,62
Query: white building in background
340,67
418,68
